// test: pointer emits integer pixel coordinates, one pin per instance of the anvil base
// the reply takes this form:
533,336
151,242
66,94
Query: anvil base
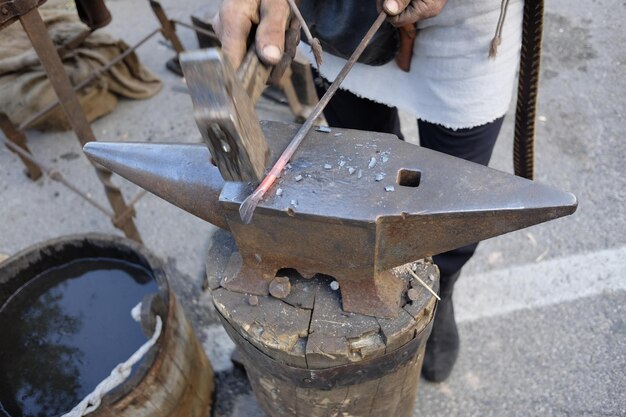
381,293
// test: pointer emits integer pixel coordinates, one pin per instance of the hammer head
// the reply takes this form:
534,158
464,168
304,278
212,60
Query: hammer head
225,116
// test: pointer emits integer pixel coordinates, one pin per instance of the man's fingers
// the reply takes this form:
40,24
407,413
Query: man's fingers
292,39
233,25
395,7
418,10
270,35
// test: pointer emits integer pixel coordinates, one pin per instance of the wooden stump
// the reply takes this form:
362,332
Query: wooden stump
306,357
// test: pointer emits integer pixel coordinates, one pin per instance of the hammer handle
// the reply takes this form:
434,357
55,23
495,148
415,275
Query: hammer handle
253,74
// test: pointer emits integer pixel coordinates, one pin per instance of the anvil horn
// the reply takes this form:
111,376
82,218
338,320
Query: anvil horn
179,174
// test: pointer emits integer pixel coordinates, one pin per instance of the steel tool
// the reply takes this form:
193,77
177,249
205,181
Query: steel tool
351,204
223,105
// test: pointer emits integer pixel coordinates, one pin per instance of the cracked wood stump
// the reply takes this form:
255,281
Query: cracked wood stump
305,357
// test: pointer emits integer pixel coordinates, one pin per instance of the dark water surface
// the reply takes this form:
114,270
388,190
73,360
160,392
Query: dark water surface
64,332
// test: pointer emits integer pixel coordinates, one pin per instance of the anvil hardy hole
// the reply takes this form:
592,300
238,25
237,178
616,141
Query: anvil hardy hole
409,178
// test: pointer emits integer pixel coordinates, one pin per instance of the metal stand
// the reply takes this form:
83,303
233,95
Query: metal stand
36,30
18,138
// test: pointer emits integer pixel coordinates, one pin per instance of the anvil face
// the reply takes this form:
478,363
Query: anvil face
352,205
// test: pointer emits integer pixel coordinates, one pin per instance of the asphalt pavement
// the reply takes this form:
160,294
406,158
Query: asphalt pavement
541,310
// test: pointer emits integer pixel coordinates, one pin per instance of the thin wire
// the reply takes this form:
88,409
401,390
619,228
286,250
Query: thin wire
315,44
423,284
198,29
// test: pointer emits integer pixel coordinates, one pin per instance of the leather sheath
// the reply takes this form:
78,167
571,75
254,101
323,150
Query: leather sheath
408,33
341,24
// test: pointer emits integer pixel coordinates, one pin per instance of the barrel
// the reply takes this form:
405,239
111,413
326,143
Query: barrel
174,377
306,357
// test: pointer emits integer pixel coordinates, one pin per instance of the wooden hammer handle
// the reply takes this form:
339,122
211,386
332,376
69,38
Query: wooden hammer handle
253,74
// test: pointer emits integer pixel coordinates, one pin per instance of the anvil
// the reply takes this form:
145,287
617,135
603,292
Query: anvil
351,204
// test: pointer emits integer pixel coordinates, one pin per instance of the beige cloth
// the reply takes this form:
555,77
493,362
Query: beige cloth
25,89
452,81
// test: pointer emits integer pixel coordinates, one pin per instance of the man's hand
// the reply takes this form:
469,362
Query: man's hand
235,19
403,12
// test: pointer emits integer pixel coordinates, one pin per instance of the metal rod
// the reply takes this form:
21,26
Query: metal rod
246,210
56,175
19,139
74,42
198,29
131,208
37,32
167,26
95,75
315,44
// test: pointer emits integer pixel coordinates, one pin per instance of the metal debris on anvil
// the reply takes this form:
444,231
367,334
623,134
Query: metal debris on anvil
334,285
338,134
294,203
389,188
372,163
351,170
298,178
280,287
394,228
328,166
279,192
359,174
342,163
379,177
324,129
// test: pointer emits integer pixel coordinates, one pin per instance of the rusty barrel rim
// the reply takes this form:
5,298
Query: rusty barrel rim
20,268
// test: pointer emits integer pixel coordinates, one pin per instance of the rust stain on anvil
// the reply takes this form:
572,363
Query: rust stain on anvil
408,203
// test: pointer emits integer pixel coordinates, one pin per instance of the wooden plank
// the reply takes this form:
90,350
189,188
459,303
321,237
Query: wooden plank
272,325
337,338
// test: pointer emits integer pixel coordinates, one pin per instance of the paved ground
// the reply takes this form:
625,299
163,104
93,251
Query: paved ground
541,310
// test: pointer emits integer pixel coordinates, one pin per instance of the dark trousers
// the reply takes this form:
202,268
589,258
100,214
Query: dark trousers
475,144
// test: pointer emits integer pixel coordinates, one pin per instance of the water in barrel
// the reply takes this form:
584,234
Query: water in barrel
64,331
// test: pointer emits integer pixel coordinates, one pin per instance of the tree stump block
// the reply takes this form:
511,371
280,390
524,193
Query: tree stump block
306,357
